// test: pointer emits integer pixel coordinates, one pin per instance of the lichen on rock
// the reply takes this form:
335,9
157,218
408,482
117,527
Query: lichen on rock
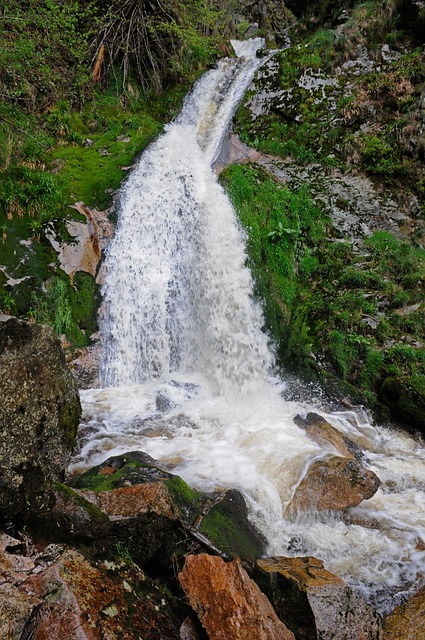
39,415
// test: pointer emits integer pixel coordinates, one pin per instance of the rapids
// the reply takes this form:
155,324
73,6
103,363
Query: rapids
187,370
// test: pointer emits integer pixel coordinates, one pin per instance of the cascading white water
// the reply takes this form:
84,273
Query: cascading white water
186,364
177,295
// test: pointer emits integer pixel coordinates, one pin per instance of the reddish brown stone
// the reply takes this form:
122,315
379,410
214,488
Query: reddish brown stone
336,483
407,622
228,603
79,601
129,502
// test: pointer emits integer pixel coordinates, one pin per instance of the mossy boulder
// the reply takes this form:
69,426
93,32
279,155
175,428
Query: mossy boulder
39,415
406,399
227,525
151,509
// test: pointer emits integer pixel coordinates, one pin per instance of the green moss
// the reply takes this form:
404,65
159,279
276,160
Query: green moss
85,298
220,529
282,227
318,300
406,399
70,415
226,526
92,170
186,499
95,481
69,495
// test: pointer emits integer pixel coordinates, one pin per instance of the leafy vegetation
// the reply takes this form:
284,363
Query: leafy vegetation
68,131
159,42
328,312
284,229
357,308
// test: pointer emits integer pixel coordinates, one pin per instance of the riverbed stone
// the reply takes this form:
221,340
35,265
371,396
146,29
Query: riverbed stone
133,491
39,415
228,603
335,483
62,595
407,621
327,437
315,603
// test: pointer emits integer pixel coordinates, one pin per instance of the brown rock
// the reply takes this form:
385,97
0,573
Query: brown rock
314,603
141,519
336,483
80,601
129,502
327,437
16,605
133,491
228,603
407,622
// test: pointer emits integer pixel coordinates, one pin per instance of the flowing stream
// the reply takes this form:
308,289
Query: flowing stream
186,367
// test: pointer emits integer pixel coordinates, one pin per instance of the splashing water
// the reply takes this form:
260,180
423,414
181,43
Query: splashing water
186,365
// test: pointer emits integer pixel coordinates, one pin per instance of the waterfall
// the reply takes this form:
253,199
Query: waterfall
178,296
186,364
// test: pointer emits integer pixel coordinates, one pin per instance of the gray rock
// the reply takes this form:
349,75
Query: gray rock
315,603
39,415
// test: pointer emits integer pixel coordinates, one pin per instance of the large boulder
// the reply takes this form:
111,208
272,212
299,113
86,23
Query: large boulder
333,484
57,593
129,500
338,482
313,602
228,603
407,621
327,437
39,415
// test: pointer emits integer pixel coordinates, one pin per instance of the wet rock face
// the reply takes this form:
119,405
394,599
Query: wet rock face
143,501
272,16
129,501
57,593
39,414
326,436
228,603
407,622
334,484
315,603
338,482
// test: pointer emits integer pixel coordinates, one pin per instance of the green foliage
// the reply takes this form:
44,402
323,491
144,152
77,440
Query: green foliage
380,158
56,147
92,170
124,553
400,261
318,298
161,42
343,318
8,304
31,193
43,52
282,228
61,306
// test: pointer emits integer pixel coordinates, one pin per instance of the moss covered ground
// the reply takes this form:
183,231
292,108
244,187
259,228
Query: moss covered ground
337,306
64,139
